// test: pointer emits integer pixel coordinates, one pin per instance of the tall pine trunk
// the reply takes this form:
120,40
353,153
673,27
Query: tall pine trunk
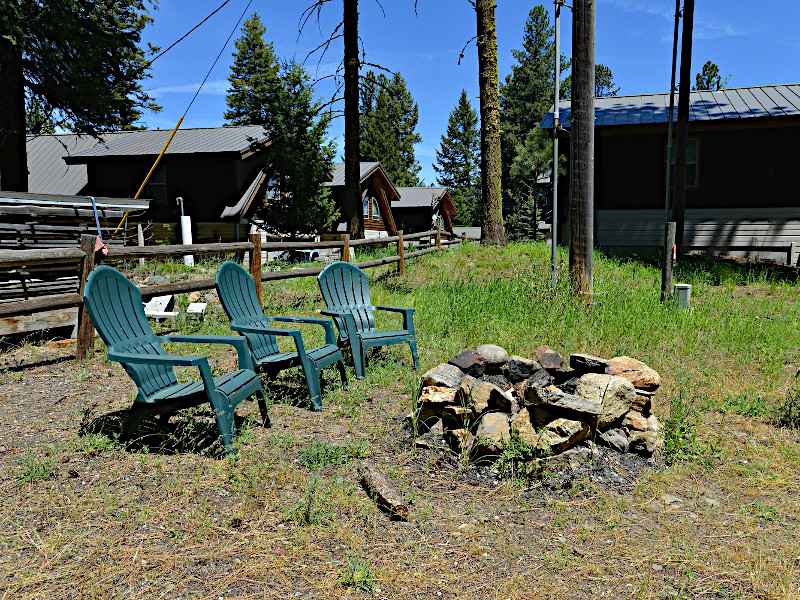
492,230
13,159
351,204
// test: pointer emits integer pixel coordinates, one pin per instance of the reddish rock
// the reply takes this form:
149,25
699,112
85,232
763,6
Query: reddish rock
469,362
635,371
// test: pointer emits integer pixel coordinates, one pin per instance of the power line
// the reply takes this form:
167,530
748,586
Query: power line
221,50
184,36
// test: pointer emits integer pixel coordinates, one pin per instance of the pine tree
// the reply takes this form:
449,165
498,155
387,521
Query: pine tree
458,161
254,79
604,85
83,63
709,78
298,160
389,117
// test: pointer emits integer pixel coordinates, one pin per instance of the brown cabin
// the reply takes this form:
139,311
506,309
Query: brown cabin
377,194
743,182
418,208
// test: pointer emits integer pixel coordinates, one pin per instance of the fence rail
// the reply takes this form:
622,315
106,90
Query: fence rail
84,258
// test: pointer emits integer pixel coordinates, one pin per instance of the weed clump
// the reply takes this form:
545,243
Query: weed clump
357,575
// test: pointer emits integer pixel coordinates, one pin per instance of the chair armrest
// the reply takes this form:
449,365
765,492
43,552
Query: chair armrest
408,316
395,309
293,333
238,342
155,359
350,327
330,335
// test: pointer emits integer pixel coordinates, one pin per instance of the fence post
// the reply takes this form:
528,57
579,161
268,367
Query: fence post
85,339
140,240
255,261
666,264
401,252
346,249
438,236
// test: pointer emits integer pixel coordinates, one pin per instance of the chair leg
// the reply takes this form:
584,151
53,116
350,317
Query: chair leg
359,357
225,420
262,407
311,372
413,345
136,415
342,372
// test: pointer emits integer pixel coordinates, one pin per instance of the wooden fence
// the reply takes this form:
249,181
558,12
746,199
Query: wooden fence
82,259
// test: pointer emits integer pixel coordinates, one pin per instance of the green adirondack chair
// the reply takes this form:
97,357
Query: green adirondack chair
345,289
115,307
237,291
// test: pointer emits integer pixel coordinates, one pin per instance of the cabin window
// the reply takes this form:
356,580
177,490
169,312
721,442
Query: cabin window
376,213
691,163
366,208
157,185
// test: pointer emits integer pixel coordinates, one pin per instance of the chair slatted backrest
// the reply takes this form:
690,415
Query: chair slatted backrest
237,292
115,307
346,287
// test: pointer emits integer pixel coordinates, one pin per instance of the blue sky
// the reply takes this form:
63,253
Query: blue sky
755,43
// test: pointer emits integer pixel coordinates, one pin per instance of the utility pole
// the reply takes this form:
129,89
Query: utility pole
669,228
581,243
679,201
554,174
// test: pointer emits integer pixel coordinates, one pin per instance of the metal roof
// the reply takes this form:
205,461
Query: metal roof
186,141
69,201
728,104
47,171
337,175
418,197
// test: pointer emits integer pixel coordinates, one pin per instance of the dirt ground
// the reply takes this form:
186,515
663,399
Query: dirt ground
168,517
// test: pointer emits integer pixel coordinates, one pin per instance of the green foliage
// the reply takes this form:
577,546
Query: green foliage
788,413
709,78
680,431
298,158
33,468
388,122
254,78
357,575
321,454
314,506
458,162
748,404
603,83
515,452
81,65
533,160
38,120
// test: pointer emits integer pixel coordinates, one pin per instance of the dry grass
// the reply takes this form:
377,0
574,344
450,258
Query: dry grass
85,517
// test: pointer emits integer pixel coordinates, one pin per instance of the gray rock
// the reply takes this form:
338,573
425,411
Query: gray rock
587,363
643,443
470,362
671,499
615,394
568,461
634,421
460,440
558,399
483,395
431,441
493,429
444,376
615,439
493,356
556,436
156,280
550,359
518,368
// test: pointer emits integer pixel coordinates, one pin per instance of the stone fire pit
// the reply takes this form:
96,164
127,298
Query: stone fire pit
477,401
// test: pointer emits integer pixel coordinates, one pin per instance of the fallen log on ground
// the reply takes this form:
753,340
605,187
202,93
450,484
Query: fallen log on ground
382,490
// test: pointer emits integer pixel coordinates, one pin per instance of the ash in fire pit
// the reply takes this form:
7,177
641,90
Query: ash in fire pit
484,399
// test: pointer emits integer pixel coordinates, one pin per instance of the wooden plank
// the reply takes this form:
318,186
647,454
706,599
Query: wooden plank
176,250
255,263
39,321
21,258
28,307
